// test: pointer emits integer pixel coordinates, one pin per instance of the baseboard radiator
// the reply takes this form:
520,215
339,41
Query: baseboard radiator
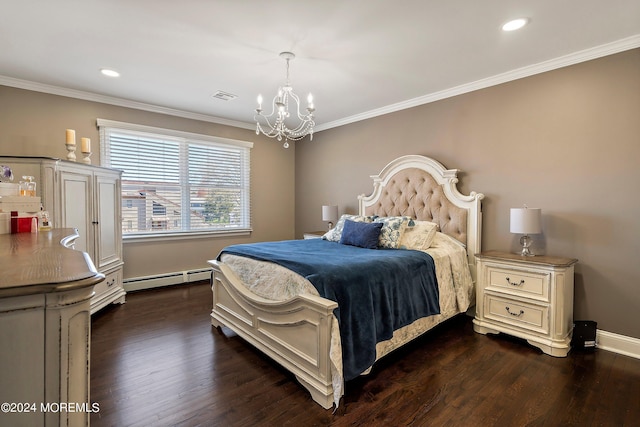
166,279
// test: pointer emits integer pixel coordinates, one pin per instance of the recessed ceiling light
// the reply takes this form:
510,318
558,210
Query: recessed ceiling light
515,24
109,73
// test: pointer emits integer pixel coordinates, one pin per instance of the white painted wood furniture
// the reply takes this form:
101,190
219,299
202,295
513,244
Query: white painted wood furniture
45,322
527,297
297,333
87,198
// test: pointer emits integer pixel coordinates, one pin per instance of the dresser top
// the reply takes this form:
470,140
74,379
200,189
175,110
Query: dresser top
54,160
538,259
35,263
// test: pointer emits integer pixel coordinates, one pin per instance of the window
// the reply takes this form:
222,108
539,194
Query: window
176,183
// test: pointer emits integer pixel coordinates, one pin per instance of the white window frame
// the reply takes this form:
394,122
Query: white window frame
184,138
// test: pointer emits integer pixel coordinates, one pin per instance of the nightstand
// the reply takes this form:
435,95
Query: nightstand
527,297
314,234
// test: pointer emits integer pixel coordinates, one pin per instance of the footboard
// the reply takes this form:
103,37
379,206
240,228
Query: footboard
295,333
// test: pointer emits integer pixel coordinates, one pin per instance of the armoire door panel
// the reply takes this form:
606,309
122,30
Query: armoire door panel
76,209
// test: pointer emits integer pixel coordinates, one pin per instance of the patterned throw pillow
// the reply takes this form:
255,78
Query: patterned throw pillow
335,233
419,237
392,229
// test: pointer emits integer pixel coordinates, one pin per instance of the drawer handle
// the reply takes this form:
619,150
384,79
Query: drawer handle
514,314
514,283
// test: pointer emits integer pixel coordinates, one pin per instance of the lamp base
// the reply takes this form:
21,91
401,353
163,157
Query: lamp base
526,241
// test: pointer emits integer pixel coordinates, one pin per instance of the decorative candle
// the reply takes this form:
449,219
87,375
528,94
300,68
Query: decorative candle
71,137
86,145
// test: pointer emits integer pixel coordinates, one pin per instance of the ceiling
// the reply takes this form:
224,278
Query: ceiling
360,58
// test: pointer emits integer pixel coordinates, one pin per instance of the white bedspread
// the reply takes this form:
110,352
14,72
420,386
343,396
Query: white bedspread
275,282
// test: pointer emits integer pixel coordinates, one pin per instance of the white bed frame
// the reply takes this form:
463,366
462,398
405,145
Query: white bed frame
297,333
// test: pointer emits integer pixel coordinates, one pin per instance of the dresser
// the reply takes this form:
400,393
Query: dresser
88,199
45,329
527,297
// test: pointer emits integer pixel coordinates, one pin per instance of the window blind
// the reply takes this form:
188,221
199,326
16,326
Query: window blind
175,182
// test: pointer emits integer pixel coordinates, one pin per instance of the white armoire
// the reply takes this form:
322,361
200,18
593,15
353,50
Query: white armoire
87,198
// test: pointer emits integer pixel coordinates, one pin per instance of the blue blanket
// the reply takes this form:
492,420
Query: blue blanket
377,290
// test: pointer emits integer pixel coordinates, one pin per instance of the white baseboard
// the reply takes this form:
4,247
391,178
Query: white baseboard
620,344
166,279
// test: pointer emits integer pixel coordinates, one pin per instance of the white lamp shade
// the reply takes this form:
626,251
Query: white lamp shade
526,220
330,213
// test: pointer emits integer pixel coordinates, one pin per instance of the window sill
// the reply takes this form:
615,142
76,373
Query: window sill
157,237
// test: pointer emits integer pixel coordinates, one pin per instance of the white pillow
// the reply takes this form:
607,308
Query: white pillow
335,233
419,237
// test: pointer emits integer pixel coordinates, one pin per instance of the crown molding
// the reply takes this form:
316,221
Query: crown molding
622,45
519,73
121,102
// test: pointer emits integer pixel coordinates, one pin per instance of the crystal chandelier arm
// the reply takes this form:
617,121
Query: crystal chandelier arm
302,130
306,121
297,100
279,128
273,131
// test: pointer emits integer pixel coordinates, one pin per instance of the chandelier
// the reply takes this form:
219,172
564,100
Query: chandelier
283,123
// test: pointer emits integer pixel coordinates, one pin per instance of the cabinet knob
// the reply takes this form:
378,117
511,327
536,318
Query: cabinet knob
94,222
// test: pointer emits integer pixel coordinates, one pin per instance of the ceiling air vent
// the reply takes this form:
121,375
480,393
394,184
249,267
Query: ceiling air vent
225,96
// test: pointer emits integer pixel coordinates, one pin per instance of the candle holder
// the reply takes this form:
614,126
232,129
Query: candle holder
86,159
71,152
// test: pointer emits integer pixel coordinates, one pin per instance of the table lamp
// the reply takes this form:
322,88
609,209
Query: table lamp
330,214
526,221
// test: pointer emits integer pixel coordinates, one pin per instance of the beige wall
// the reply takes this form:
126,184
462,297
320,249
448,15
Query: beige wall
33,124
566,141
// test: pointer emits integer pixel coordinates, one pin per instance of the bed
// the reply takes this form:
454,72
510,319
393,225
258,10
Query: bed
281,313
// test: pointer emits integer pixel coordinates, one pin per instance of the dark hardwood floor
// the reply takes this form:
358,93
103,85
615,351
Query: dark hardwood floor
157,361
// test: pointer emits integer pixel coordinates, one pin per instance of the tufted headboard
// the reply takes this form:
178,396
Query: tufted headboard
420,187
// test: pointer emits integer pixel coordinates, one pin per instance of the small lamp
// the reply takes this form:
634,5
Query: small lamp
330,214
526,221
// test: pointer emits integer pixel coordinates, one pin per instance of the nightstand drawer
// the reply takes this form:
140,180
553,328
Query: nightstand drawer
517,313
519,282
